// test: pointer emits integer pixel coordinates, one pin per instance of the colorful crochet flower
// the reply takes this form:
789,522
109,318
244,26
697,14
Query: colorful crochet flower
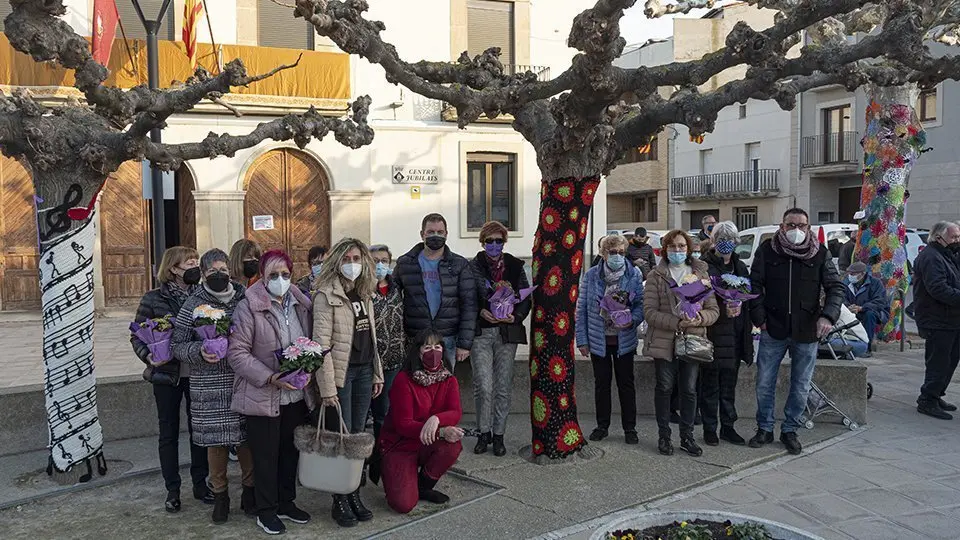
539,314
534,370
539,340
550,220
589,191
553,281
569,239
574,214
549,248
574,291
564,192
562,324
558,369
576,263
539,410
537,448
564,401
570,438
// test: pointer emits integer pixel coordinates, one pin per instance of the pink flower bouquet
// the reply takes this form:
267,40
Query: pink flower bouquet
155,334
615,309
504,299
213,325
692,292
299,360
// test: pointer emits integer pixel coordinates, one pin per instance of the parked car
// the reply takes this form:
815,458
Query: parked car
916,241
835,235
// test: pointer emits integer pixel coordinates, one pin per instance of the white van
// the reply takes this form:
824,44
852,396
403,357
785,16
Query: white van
835,236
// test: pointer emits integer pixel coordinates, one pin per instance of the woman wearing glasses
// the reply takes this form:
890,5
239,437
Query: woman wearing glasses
611,343
495,346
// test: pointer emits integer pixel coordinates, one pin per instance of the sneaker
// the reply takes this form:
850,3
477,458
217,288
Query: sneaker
631,437
730,435
172,504
233,453
271,525
688,445
761,438
710,437
935,410
290,512
203,494
599,434
664,446
792,443
949,407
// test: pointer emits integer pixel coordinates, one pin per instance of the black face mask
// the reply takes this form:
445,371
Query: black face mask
955,247
192,276
218,282
250,268
435,242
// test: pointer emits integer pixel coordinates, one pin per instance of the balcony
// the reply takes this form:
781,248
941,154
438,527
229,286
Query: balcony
732,185
832,152
449,113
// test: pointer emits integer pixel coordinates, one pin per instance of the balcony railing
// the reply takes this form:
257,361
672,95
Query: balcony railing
755,183
842,148
542,72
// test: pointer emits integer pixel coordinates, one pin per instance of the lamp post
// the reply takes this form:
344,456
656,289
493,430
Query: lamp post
158,221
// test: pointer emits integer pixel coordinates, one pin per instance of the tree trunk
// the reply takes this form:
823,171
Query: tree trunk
892,143
66,284
557,262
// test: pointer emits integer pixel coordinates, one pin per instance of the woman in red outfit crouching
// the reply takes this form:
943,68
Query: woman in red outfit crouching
420,439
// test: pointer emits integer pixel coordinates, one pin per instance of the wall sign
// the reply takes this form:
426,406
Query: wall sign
263,223
411,174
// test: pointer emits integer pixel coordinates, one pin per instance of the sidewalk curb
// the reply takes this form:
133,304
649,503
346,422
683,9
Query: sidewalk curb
92,484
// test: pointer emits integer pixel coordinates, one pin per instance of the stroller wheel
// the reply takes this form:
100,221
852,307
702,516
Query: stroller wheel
854,426
869,390
808,424
846,422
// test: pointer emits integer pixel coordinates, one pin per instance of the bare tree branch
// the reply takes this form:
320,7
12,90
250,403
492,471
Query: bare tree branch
656,8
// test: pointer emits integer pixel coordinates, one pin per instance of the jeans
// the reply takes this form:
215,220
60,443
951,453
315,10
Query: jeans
942,353
381,404
858,347
604,369
803,359
492,362
718,392
450,352
683,375
354,397
275,458
869,320
168,400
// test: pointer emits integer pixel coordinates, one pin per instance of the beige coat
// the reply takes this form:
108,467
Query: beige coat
333,324
663,318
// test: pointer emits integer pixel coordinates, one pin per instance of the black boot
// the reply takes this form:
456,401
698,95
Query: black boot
498,447
482,442
363,477
373,470
342,512
425,485
359,510
221,507
248,501
172,504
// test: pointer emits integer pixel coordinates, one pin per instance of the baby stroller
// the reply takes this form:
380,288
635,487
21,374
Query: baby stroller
817,401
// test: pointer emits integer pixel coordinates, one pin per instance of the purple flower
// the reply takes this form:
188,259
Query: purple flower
691,295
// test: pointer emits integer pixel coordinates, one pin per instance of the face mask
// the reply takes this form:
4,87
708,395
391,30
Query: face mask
432,360
493,250
796,236
677,258
315,269
616,262
855,278
192,276
695,254
709,228
250,268
725,247
218,282
351,271
955,247
383,270
279,286
435,242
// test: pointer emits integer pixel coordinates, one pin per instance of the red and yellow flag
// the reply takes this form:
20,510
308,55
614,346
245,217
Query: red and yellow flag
105,19
192,11
696,139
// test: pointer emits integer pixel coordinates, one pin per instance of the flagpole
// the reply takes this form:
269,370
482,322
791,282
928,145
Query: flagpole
210,27
126,45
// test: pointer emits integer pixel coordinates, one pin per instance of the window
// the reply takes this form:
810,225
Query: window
743,111
491,190
825,217
706,159
151,8
645,208
927,107
641,154
746,217
277,27
745,248
490,24
838,139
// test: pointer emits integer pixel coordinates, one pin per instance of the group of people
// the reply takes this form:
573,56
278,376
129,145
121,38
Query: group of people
800,296
394,333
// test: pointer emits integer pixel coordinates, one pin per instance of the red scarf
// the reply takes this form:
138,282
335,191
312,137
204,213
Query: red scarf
496,268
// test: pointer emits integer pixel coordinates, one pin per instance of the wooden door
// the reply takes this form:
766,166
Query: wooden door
18,239
125,237
291,187
187,208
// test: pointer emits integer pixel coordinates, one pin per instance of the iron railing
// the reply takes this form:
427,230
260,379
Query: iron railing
831,149
754,182
542,72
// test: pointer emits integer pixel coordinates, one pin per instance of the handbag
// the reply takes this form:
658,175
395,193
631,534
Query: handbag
164,374
693,349
331,461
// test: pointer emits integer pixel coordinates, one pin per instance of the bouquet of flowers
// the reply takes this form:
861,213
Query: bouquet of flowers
504,298
155,334
734,290
692,292
615,308
213,326
299,360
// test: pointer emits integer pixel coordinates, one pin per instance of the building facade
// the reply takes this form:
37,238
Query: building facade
419,162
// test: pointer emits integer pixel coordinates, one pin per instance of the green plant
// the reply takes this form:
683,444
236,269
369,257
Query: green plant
689,531
748,531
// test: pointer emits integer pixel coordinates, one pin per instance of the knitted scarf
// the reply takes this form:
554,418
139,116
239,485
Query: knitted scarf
426,378
805,251
496,267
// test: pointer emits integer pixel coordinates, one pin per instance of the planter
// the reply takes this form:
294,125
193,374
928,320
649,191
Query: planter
640,520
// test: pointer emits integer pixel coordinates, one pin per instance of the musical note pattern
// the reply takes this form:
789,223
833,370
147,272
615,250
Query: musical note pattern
68,310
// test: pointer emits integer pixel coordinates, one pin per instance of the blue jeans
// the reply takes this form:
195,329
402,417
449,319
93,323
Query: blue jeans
869,320
354,399
381,404
859,347
450,352
803,358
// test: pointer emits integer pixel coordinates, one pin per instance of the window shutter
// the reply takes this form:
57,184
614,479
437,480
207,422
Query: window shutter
278,28
151,8
490,24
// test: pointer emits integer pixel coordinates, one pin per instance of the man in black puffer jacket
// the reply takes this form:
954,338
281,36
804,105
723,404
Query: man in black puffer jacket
440,291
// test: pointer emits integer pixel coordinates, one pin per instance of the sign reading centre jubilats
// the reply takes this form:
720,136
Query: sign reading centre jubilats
403,174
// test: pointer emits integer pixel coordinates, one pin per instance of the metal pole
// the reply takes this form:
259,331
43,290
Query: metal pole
156,176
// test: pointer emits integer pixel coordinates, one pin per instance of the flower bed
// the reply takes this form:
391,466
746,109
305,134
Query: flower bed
696,525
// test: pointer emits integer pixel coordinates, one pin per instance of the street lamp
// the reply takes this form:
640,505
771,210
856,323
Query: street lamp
156,176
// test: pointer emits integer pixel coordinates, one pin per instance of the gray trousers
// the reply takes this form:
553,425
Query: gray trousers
492,363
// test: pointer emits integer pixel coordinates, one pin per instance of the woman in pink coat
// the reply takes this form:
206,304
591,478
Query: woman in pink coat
271,317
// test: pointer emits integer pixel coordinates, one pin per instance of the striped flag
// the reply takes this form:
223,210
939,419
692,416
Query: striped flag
192,11
696,139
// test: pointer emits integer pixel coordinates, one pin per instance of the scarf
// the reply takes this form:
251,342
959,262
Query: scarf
225,296
496,268
426,378
612,278
177,293
805,251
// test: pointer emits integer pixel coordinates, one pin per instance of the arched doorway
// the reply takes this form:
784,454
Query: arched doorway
291,187
20,289
125,236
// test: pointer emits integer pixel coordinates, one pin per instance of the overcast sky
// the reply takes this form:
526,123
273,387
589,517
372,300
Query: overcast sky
636,28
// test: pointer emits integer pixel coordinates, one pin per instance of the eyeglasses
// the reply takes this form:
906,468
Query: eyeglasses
498,241
275,275
617,252
801,226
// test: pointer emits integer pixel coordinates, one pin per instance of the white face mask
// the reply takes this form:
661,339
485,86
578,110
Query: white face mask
278,286
796,236
351,271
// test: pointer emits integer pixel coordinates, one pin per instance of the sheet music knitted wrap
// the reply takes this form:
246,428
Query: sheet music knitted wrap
66,282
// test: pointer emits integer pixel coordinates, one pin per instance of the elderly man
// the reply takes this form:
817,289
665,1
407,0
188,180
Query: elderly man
788,272
706,227
936,287
866,297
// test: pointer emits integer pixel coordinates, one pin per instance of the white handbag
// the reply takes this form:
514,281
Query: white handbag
331,461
